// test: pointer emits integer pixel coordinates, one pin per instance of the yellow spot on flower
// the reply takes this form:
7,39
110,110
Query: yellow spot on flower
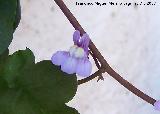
73,49
79,53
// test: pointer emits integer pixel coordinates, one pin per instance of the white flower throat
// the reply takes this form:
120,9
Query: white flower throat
77,52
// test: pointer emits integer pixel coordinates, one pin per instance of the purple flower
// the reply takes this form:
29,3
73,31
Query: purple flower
76,59
157,105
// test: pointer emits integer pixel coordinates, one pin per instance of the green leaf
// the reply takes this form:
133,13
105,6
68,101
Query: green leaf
7,20
15,64
3,83
66,110
29,88
16,102
49,84
3,57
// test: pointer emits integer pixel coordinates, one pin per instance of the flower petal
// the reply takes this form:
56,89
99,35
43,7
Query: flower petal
59,57
69,66
85,42
157,105
76,37
84,67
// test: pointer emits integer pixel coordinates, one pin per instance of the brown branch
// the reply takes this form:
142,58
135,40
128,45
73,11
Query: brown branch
97,54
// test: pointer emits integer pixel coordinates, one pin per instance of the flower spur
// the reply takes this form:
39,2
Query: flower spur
76,59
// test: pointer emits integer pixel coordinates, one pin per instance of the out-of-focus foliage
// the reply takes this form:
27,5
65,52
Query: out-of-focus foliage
9,20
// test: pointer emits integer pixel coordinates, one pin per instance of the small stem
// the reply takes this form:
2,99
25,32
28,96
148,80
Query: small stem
97,73
100,77
101,59
95,59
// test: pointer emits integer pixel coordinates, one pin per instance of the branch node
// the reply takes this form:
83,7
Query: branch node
100,77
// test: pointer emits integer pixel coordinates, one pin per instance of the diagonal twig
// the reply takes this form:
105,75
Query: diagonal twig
104,65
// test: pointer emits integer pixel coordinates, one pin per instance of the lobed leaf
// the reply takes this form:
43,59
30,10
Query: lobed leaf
29,88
